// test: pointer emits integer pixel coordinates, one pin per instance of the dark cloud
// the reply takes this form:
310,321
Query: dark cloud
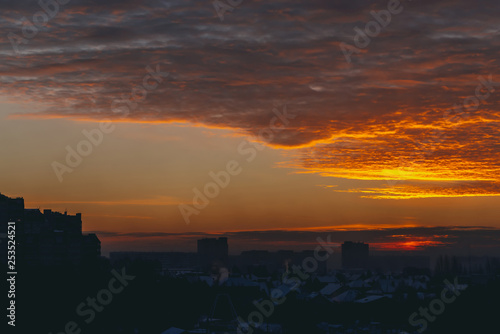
431,239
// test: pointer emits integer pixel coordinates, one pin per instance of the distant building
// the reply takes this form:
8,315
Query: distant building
321,268
49,238
399,262
262,261
212,251
355,255
169,262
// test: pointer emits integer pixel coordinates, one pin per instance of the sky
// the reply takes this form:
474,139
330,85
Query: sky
375,117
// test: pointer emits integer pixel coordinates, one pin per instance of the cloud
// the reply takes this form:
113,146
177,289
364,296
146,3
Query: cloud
385,116
158,201
416,238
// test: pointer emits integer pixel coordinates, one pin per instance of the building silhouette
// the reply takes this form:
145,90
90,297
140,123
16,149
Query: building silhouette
48,238
212,251
355,255
11,209
167,262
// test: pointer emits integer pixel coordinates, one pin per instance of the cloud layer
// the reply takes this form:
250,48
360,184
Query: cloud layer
397,112
439,239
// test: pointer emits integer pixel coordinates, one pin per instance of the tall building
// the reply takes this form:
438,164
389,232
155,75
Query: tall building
355,255
212,251
11,209
49,238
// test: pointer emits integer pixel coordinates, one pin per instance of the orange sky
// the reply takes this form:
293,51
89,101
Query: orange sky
403,133
124,188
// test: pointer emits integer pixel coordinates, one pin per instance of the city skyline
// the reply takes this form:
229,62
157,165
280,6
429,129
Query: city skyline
230,166
171,118
177,132
436,240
